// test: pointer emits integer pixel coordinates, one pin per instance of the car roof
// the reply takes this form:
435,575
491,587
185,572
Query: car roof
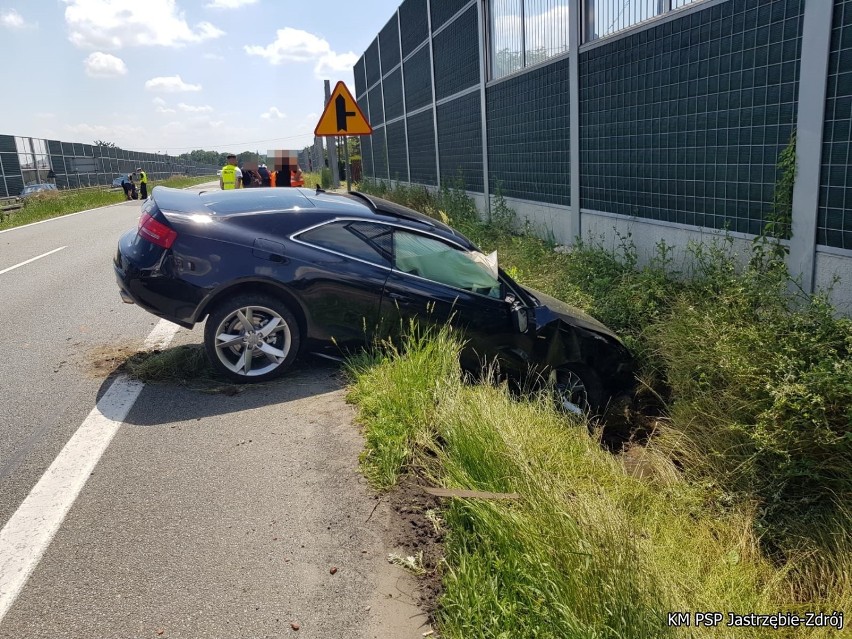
308,203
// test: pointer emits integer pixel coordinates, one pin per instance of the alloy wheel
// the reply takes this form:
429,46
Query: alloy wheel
252,341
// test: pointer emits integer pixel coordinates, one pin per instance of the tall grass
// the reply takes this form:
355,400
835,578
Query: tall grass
589,550
757,383
51,204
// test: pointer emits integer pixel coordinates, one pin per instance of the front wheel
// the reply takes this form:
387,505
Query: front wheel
576,388
251,338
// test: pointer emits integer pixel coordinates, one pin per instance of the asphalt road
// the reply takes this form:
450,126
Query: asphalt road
208,515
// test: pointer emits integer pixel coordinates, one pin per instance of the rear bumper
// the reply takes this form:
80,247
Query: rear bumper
149,288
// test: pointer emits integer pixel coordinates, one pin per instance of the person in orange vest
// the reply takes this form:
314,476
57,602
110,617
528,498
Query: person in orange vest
296,178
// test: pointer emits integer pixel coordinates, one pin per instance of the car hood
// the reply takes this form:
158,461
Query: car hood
552,309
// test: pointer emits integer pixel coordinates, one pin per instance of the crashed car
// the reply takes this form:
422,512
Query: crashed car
279,272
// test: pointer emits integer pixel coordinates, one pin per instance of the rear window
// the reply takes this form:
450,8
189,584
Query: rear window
255,201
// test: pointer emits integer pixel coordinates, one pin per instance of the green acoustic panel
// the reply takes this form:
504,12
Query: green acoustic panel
389,45
377,113
834,221
528,135
367,156
380,154
684,122
392,86
443,10
418,80
397,151
460,142
456,51
421,148
413,25
372,63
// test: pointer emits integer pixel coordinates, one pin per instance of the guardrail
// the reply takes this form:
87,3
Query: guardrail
9,205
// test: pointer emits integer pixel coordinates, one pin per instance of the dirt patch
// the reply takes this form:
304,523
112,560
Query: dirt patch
185,365
103,361
417,530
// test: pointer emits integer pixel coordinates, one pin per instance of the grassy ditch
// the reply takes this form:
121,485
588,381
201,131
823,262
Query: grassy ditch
51,204
746,502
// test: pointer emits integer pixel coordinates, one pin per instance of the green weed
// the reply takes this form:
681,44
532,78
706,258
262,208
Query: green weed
757,385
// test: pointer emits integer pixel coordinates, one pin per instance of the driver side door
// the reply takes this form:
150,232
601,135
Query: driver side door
437,282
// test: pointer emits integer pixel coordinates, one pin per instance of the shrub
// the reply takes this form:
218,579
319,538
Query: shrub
758,380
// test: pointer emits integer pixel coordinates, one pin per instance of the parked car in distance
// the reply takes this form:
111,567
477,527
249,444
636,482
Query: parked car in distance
279,272
31,189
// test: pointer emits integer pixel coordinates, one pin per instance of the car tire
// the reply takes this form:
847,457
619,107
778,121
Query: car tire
577,389
241,325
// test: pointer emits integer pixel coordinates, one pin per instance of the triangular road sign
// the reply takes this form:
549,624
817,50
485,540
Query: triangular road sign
342,116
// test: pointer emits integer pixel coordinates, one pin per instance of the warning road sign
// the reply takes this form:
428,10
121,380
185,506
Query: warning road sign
342,116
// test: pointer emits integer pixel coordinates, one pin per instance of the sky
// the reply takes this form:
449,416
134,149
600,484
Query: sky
169,76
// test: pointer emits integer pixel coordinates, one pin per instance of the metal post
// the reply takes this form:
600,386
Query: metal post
486,187
348,169
318,154
35,162
816,41
384,109
434,105
331,144
404,104
574,227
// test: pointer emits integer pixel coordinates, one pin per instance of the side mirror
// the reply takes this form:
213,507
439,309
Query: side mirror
520,318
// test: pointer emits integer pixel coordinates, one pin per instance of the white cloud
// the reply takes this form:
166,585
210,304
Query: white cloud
13,20
229,4
159,101
295,45
162,109
273,113
170,84
336,63
113,24
104,65
189,108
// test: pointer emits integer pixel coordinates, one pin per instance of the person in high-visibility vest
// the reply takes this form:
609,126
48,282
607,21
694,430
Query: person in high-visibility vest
231,177
143,181
296,178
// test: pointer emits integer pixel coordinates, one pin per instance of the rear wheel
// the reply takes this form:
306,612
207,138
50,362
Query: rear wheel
576,388
251,338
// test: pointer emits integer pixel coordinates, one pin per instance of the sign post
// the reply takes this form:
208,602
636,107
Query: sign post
343,116
348,170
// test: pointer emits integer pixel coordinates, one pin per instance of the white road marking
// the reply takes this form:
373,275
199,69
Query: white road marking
160,337
60,217
32,259
30,530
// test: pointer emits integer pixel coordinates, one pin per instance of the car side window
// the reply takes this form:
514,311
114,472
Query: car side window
348,238
434,260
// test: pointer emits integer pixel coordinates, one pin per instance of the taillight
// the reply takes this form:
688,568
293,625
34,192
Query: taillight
156,232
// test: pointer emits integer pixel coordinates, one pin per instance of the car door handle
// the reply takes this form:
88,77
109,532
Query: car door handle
403,300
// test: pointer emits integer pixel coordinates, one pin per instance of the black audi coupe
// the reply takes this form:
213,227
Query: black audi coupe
279,272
